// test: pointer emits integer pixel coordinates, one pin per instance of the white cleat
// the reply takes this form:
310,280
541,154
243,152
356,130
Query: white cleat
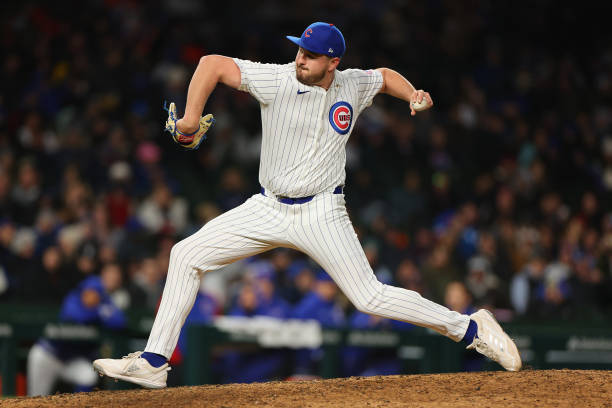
493,342
135,369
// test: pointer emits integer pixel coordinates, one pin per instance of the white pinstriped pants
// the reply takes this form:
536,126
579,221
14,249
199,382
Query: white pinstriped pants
322,230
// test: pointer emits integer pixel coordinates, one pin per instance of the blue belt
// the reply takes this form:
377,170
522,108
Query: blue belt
299,200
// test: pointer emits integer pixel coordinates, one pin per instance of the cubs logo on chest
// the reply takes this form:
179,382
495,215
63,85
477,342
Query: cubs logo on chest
341,117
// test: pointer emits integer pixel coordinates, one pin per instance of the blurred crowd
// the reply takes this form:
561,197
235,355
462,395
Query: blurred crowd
498,197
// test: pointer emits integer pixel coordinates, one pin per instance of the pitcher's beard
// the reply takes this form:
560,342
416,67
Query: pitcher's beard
308,79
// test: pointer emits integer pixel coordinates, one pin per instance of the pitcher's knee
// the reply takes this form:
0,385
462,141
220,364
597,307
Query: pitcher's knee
180,251
175,252
369,301
361,306
188,257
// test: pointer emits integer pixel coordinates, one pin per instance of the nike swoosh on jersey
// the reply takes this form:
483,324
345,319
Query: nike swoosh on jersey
302,92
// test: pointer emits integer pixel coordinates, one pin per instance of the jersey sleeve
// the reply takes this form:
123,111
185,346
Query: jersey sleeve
260,80
368,85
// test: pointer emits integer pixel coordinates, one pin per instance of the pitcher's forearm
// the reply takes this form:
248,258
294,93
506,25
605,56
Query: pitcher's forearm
211,70
203,82
396,85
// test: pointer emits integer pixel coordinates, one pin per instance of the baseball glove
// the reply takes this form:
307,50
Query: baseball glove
192,140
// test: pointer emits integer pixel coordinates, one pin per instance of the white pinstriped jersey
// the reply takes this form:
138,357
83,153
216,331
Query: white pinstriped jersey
305,128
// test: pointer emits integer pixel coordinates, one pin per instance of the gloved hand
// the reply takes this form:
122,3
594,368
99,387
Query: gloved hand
192,140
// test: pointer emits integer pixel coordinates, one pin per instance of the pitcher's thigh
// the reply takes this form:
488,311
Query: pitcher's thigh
244,231
334,245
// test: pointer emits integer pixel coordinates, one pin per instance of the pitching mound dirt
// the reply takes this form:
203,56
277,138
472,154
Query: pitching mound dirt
546,388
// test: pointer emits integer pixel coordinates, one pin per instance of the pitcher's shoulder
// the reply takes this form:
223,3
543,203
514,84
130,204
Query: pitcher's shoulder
288,68
357,73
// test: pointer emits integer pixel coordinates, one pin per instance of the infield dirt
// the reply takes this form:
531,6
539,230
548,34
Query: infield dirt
530,388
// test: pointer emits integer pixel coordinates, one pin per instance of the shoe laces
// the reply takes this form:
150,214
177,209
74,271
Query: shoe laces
483,347
135,354
490,347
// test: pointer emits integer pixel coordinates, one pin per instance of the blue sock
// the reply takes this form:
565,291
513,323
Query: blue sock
470,333
156,360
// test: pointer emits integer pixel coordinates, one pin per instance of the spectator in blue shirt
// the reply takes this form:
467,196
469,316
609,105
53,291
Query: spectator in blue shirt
320,305
51,360
257,297
369,361
301,278
262,276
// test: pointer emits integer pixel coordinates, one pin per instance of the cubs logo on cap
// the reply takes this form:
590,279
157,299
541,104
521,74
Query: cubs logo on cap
321,38
341,117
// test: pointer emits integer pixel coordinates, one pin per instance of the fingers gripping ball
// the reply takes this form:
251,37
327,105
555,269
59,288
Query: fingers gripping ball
420,106
187,140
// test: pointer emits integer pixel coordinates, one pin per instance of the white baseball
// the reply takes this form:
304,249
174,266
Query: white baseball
420,106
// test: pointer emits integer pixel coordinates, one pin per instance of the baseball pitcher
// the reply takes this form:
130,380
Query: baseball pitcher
308,110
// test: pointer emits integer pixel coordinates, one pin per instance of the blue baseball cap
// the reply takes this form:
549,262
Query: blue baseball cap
321,38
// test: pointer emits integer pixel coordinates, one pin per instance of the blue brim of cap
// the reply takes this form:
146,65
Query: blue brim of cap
298,41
